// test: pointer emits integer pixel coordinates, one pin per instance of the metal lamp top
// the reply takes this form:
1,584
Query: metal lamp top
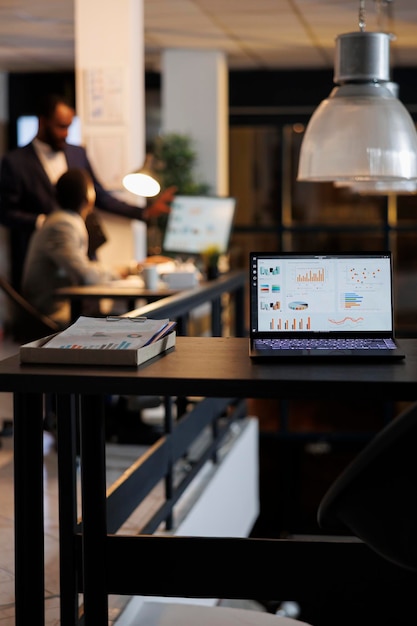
362,57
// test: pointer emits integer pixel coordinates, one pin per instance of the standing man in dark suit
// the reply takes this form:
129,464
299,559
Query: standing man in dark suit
28,175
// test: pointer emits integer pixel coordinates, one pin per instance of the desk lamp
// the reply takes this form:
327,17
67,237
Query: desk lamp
143,182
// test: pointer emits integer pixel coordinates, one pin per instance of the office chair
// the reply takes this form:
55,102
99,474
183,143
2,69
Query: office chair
27,323
375,497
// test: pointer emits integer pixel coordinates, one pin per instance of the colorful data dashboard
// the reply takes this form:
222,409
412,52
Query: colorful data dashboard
322,292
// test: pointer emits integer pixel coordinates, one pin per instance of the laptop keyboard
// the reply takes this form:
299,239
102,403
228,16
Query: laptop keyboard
324,344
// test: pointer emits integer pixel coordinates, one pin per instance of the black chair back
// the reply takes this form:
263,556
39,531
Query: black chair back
375,498
27,323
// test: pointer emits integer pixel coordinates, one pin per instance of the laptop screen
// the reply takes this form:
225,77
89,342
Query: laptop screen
321,293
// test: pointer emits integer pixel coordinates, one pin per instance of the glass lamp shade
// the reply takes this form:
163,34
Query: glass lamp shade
141,184
361,132
381,187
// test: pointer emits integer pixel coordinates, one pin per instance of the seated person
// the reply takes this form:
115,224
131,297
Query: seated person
58,251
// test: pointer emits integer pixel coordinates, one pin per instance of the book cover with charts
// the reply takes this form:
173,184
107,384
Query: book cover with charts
103,341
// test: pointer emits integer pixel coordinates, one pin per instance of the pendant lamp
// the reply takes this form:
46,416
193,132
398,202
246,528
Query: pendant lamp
361,132
382,187
143,182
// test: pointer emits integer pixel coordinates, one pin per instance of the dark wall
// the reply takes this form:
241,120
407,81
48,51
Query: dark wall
25,89
300,91
300,88
278,89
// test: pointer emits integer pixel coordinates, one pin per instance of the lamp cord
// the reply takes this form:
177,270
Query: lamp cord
362,20
385,15
381,7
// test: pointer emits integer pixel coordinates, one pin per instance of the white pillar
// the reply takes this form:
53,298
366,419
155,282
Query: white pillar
4,232
110,85
195,100
110,93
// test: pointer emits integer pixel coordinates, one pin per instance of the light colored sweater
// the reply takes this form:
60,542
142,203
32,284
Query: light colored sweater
57,257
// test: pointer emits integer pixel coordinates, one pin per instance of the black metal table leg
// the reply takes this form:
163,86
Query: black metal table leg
239,298
94,511
216,317
67,481
29,512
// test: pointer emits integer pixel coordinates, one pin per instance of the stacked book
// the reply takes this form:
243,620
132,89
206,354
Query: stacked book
103,341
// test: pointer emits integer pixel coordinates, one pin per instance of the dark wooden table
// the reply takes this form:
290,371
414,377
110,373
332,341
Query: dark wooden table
150,565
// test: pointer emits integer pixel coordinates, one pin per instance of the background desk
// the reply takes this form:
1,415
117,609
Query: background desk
103,564
175,304
129,293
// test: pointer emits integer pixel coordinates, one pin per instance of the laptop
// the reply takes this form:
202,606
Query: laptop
322,306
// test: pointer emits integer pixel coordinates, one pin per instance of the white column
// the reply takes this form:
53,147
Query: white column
110,93
195,100
4,232
110,85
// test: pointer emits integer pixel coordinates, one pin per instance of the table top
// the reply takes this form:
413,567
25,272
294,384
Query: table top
132,288
221,367
116,289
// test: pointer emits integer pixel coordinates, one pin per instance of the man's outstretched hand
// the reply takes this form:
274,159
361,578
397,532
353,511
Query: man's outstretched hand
160,204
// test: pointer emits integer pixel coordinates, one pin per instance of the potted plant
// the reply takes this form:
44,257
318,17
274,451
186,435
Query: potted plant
175,159
210,257
174,162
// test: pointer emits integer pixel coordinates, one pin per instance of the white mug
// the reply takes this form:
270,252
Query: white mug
150,276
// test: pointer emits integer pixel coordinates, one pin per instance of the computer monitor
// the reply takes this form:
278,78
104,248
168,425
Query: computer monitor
27,127
196,223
